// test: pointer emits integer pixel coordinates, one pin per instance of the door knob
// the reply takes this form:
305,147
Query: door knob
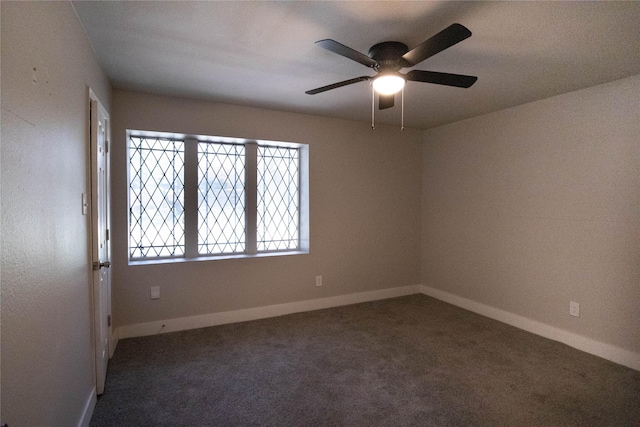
99,265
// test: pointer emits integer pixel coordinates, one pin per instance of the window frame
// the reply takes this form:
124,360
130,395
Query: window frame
191,215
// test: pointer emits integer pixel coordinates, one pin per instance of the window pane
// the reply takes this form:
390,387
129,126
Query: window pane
156,197
278,217
221,198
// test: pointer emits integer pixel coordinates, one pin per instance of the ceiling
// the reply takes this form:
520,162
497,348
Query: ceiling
262,54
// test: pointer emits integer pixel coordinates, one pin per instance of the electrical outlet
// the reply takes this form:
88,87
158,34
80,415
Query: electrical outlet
318,280
155,292
574,308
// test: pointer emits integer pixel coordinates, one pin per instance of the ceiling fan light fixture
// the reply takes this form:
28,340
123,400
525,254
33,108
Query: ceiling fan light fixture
388,84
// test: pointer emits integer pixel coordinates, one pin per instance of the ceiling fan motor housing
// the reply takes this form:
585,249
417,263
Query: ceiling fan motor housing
388,55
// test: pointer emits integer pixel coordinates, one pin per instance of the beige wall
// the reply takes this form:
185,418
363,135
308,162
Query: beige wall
364,213
528,208
47,362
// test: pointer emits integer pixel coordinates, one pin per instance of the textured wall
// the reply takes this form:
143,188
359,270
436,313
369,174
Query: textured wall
531,207
47,64
364,213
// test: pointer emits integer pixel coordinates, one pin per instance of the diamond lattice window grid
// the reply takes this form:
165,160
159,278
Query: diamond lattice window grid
196,197
278,222
156,197
221,198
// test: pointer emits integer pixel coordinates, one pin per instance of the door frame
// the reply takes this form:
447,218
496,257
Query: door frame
94,225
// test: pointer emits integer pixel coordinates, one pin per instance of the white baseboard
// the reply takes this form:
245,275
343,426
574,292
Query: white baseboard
87,411
214,319
597,348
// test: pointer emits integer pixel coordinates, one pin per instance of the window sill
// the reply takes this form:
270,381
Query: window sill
215,258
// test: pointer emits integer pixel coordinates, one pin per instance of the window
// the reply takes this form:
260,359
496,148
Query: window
221,198
204,197
156,197
278,198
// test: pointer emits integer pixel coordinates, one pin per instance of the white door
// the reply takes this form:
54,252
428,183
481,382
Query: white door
100,221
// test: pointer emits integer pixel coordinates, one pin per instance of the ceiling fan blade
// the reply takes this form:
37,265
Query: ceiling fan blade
446,38
386,101
347,52
337,85
458,80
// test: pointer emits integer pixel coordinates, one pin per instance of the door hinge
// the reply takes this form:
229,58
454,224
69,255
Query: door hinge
109,320
107,234
106,146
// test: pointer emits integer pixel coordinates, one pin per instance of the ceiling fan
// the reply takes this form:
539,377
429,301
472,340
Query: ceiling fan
388,58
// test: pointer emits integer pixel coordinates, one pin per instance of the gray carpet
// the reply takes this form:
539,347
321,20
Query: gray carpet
399,362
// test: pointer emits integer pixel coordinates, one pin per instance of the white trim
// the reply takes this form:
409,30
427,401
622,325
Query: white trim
89,406
213,319
606,351
100,304
597,348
